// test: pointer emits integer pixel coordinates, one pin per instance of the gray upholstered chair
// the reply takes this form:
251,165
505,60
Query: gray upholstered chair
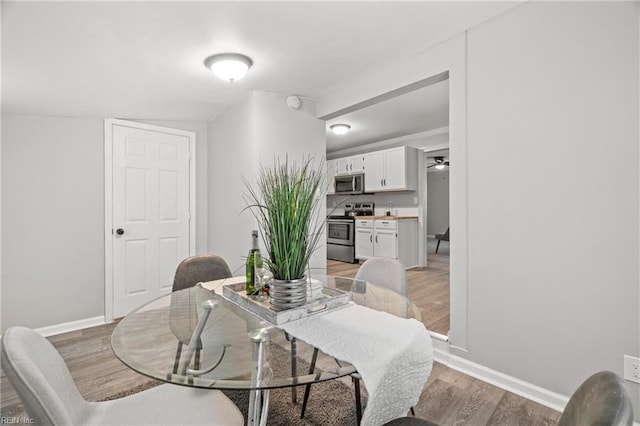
382,271
442,237
601,400
190,272
45,386
385,272
198,269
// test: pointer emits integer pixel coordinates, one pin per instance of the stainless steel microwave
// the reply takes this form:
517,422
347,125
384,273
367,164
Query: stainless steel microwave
349,184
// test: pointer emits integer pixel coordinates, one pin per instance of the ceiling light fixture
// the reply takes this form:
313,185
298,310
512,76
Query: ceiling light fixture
439,166
339,129
229,66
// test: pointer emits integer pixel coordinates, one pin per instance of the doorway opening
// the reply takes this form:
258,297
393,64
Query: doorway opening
437,249
415,116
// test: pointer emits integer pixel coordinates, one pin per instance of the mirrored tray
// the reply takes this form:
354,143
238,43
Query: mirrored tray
319,299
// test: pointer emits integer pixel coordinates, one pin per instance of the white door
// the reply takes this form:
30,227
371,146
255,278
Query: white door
150,222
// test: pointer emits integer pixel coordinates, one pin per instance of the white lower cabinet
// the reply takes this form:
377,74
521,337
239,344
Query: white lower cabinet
364,239
395,238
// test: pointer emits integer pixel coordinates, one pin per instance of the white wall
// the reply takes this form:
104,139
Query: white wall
437,201
241,139
555,298
53,217
52,220
549,298
232,155
281,131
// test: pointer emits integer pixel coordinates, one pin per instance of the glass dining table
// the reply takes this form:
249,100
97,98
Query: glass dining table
196,337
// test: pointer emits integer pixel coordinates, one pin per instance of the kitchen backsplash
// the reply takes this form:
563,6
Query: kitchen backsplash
402,204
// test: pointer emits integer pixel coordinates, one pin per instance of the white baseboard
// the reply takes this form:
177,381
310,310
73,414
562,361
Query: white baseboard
527,390
70,326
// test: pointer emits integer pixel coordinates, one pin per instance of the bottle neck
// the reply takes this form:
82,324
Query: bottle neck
254,243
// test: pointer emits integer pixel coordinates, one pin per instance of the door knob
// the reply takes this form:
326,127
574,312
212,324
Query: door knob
119,231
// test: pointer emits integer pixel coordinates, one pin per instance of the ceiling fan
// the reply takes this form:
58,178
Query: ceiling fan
439,163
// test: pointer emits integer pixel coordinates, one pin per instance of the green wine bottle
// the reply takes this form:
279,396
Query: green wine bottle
254,255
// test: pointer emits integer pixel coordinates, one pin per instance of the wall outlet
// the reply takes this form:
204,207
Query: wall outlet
632,368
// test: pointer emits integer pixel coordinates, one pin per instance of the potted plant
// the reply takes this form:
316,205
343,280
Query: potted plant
285,202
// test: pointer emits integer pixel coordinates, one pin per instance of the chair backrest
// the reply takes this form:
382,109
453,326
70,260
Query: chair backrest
196,269
41,378
386,272
601,400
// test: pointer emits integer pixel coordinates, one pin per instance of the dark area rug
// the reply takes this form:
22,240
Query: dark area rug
331,403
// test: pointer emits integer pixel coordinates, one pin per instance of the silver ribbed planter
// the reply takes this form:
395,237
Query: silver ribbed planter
287,294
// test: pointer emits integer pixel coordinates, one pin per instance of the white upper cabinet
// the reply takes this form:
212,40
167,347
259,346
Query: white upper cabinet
393,169
357,164
350,165
396,169
331,174
374,175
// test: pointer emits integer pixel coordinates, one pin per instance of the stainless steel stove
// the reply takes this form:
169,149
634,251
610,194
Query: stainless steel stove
341,230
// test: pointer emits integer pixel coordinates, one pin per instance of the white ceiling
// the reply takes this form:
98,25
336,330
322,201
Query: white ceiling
417,111
144,60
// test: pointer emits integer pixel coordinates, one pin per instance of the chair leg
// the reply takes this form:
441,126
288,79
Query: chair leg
356,385
294,368
176,363
196,360
307,388
438,246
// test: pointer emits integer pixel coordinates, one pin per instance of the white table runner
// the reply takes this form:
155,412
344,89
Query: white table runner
393,355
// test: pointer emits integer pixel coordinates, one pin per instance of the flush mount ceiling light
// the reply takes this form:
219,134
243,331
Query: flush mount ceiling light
339,129
229,66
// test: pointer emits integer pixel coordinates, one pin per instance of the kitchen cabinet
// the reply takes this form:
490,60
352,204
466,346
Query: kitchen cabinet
350,165
394,237
392,169
364,239
331,174
385,238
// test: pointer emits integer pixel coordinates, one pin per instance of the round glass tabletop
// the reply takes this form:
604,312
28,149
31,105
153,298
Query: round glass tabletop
154,339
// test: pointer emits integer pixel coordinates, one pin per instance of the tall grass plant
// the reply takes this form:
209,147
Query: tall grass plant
285,202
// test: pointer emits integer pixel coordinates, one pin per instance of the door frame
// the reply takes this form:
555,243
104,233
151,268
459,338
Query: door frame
108,198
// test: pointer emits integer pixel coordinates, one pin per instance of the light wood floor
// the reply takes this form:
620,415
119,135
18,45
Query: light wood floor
428,287
450,397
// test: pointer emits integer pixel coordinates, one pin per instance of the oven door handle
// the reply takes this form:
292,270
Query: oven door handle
340,221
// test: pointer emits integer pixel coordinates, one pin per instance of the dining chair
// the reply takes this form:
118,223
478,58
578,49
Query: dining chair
602,399
442,237
382,271
190,272
49,395
409,421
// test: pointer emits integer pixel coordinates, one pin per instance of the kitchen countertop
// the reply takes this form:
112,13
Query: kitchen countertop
385,217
